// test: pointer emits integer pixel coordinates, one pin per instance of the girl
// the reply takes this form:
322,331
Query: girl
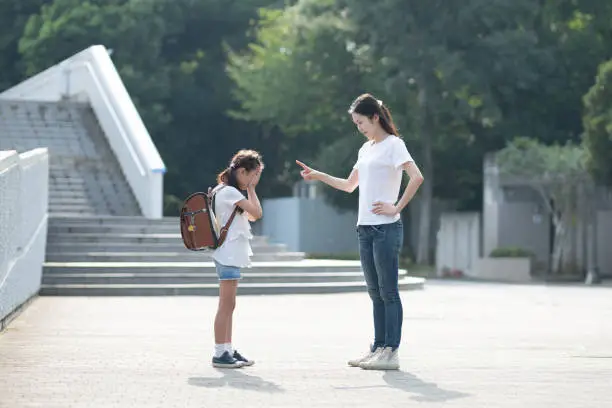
243,173
378,173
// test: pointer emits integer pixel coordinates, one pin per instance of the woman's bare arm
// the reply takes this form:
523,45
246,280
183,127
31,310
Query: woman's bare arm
348,184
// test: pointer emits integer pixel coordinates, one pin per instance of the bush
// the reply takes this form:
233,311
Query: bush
511,252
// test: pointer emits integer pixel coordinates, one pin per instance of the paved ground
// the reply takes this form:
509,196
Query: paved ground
465,345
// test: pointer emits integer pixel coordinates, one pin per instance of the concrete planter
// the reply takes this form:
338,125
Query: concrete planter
503,269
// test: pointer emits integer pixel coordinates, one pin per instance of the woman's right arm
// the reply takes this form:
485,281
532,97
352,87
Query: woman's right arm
348,184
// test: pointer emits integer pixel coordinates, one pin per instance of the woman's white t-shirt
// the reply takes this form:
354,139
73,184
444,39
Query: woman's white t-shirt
236,249
379,167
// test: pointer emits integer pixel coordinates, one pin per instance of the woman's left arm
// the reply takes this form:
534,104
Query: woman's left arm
415,181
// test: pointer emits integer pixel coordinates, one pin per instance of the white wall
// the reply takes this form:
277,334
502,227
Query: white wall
604,242
326,230
281,221
309,225
458,242
24,181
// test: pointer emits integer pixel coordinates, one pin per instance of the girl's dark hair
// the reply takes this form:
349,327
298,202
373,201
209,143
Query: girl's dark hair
368,106
247,159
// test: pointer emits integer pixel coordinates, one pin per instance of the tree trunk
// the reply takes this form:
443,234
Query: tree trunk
558,241
426,189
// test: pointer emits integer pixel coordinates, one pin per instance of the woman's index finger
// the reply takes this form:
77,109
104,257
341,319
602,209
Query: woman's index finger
302,165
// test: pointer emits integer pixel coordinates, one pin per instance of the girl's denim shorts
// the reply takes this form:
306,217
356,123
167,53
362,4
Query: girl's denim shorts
226,272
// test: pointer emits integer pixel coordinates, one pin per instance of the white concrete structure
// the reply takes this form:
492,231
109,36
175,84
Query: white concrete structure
24,182
458,243
91,76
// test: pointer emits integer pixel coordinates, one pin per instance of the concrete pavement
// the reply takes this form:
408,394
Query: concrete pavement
465,345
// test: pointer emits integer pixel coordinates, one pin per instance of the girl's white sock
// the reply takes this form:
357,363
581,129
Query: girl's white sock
229,349
219,349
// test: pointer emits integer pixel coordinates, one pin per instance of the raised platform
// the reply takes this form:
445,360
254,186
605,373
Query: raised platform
135,256
199,278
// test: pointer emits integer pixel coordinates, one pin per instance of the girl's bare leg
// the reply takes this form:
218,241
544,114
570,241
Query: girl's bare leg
225,309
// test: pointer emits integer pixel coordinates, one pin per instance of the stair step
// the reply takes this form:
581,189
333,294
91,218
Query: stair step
69,194
69,220
70,201
160,240
73,208
104,238
408,283
184,256
195,278
306,266
74,246
85,210
55,228
67,182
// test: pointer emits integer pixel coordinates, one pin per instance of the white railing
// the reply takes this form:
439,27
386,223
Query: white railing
24,183
91,76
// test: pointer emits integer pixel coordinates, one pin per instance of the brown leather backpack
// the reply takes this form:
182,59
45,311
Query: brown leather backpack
199,227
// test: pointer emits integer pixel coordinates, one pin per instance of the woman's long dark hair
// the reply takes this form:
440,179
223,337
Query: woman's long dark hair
368,106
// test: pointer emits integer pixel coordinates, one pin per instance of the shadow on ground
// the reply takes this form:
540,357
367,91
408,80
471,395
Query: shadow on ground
423,391
237,379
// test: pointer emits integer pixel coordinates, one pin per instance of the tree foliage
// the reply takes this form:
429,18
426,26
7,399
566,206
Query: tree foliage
559,174
462,79
171,56
598,125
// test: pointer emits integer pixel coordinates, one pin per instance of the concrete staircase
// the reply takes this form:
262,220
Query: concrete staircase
98,244
119,256
85,177
136,239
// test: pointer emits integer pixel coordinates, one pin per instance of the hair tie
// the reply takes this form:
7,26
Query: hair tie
380,103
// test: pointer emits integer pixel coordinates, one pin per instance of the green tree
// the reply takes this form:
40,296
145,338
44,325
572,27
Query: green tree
558,173
598,125
299,77
439,61
171,56
132,29
203,135
13,18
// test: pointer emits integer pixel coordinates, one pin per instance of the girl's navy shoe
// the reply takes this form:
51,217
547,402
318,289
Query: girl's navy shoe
226,361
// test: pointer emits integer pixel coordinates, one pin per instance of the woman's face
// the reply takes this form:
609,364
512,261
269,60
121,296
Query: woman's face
245,177
365,125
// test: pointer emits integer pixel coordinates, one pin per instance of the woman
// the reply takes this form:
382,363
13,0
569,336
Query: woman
378,173
242,174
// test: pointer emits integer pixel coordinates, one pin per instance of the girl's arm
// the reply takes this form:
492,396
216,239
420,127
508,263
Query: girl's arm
348,184
252,205
258,211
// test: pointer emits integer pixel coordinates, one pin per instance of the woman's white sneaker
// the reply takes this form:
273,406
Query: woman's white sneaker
386,359
356,362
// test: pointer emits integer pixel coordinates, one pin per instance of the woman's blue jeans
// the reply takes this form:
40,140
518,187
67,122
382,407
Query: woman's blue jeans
379,248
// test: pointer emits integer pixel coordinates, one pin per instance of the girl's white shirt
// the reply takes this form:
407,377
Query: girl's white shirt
236,249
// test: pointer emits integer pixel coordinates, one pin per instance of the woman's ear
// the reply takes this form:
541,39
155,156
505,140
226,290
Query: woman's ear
375,118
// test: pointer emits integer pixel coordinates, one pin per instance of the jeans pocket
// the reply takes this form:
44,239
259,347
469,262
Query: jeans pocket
378,229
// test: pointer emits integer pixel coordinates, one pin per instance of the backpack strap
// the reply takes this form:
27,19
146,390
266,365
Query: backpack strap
225,229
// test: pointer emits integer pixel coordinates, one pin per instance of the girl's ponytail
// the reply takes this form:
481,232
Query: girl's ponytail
223,177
